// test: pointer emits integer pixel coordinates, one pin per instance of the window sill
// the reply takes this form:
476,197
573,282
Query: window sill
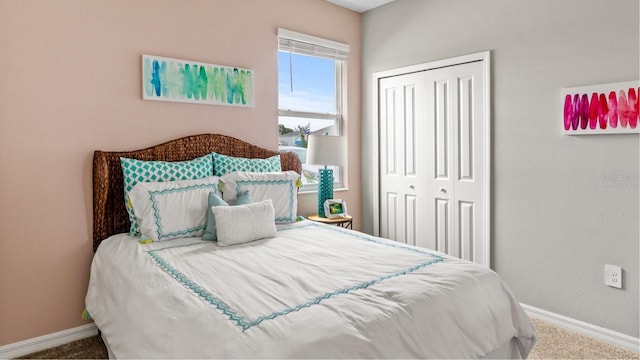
304,192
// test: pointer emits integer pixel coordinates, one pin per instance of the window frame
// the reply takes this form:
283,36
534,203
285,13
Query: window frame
303,44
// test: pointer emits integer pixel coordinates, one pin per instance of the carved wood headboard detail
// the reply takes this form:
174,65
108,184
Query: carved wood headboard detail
109,213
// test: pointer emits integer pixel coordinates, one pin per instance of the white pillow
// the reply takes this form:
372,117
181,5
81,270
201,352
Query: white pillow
280,187
174,209
244,223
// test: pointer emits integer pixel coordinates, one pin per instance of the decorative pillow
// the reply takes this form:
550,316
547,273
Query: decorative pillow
136,171
223,164
174,209
244,223
280,187
215,200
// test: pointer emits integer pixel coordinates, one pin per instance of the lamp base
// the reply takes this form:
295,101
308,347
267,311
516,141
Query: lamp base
325,189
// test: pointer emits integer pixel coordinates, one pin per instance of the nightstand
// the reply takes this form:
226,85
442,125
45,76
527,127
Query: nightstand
344,222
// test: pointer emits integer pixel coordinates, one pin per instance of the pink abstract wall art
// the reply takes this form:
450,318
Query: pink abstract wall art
602,109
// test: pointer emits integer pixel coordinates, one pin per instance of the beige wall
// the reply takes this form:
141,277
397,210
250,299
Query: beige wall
70,84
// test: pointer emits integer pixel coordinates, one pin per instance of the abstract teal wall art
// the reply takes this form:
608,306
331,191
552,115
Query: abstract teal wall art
166,79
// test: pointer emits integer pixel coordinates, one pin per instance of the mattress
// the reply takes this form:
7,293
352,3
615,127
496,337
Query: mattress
313,291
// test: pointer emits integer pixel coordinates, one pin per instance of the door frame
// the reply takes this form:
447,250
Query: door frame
485,57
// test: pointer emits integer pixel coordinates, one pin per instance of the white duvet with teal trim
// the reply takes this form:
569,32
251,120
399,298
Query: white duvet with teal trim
313,291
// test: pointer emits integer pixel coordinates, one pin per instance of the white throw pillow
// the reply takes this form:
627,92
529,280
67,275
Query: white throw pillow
244,223
280,187
175,209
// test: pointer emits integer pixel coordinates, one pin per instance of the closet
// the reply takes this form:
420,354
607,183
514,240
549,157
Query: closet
433,156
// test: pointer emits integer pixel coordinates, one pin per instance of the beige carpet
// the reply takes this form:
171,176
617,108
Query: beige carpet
553,343
558,343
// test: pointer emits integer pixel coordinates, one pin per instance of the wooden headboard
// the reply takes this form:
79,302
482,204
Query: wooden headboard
109,213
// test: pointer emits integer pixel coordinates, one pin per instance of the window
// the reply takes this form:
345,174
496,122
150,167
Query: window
310,71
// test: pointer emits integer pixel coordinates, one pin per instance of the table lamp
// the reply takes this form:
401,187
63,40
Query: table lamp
325,150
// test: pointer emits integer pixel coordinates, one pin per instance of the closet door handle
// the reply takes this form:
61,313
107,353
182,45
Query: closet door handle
443,190
411,187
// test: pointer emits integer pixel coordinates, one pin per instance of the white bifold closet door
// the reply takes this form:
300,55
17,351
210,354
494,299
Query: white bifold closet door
432,153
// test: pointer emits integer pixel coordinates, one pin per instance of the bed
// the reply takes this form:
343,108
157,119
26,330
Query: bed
307,290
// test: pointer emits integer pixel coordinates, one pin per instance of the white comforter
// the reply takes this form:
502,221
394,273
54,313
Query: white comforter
313,291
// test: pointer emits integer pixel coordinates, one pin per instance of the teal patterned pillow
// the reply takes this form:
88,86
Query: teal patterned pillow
223,164
210,234
135,171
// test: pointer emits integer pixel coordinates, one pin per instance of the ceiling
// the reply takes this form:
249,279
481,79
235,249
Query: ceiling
360,5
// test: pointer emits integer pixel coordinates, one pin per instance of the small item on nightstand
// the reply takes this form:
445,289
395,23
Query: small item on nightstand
335,208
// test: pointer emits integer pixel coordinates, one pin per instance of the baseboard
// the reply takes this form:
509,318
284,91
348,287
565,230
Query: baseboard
47,341
600,333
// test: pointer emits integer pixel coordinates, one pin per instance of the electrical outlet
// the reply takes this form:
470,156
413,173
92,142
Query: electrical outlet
613,276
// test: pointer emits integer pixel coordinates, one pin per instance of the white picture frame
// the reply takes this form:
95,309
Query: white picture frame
335,208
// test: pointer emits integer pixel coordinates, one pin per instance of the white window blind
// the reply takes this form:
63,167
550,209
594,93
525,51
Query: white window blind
311,45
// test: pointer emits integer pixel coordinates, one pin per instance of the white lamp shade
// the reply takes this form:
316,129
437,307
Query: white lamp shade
326,150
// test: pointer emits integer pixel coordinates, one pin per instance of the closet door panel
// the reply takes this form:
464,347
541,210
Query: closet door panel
469,152
438,157
401,172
